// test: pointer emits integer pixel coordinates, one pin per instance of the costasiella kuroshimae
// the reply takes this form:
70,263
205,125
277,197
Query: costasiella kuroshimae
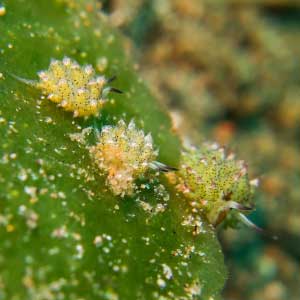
216,184
73,87
125,153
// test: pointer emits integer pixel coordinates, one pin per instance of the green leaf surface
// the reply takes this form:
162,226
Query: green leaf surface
63,235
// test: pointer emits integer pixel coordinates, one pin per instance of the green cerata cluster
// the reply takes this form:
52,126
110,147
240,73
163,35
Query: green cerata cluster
213,182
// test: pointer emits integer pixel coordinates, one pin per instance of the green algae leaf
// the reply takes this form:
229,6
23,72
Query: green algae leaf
63,235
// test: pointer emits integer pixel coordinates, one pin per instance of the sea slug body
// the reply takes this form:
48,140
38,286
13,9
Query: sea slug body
213,181
124,153
75,88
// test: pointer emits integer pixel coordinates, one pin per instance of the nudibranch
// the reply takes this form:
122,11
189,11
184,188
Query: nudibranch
124,153
73,87
214,182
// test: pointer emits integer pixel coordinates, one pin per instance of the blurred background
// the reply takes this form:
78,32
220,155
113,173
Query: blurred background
230,71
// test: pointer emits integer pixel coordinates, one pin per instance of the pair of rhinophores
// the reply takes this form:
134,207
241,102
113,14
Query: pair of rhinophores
213,181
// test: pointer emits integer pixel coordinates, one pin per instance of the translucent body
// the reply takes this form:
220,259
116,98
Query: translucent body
73,87
124,154
213,182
